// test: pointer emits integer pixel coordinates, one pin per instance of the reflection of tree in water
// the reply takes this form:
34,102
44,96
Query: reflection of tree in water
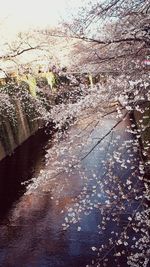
116,190
107,180
93,179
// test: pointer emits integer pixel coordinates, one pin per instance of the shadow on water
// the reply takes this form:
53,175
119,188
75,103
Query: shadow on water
22,165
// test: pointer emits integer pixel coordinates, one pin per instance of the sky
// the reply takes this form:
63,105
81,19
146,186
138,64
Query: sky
20,15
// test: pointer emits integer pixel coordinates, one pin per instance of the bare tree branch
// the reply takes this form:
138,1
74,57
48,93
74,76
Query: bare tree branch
101,139
17,53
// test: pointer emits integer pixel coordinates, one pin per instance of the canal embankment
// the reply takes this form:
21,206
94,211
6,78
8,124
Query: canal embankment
25,107
139,112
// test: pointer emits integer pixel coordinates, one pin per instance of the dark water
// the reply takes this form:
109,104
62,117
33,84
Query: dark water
22,165
33,228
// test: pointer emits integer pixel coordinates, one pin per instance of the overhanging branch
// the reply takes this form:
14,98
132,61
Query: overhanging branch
101,139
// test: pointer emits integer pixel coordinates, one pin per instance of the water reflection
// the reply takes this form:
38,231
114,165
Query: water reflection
58,222
26,161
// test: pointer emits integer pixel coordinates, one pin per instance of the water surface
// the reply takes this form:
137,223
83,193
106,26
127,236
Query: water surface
57,221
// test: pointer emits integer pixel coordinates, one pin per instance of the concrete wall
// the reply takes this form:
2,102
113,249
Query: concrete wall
19,119
14,135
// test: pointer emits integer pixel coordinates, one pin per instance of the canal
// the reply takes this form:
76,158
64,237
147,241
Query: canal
65,204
